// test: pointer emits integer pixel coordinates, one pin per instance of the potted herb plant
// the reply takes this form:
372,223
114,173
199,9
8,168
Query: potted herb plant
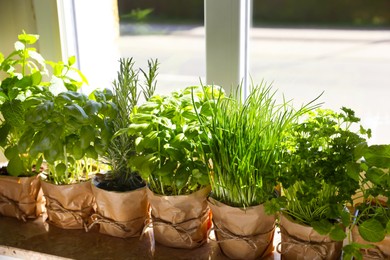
318,183
245,138
170,160
371,227
122,205
68,130
23,70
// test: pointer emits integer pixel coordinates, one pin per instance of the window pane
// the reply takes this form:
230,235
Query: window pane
351,66
175,38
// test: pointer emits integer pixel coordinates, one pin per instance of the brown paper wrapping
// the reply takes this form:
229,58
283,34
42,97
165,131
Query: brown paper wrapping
381,250
243,233
120,214
180,221
304,243
69,206
21,197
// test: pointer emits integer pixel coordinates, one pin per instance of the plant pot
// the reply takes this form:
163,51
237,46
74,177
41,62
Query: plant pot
69,206
180,221
21,197
120,214
381,250
303,242
242,233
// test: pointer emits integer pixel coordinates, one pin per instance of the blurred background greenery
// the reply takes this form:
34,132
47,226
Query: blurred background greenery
330,13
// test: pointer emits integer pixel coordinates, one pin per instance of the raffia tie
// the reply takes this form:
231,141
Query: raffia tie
231,236
19,213
55,206
182,232
120,225
318,247
373,253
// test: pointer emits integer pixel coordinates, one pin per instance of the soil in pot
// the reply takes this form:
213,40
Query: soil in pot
243,233
303,242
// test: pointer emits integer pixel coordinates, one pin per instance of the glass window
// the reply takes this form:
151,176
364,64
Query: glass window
303,58
169,31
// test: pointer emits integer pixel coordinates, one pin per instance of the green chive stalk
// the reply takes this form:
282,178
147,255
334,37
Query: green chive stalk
245,144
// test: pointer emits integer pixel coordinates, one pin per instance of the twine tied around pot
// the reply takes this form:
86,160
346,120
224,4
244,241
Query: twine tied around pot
230,236
120,225
183,233
373,253
55,206
318,247
18,212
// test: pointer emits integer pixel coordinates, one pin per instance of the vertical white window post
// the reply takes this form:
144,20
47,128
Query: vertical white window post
227,24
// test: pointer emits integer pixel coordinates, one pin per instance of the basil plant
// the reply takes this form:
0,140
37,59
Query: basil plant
170,144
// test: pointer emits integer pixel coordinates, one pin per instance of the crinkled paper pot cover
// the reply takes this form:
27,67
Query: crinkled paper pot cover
303,242
69,206
21,197
120,214
243,233
180,221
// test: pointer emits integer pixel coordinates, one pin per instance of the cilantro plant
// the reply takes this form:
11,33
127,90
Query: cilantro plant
170,141
318,179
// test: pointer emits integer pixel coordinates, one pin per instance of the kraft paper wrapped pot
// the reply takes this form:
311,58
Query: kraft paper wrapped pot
120,214
381,250
180,221
243,233
69,206
303,242
21,197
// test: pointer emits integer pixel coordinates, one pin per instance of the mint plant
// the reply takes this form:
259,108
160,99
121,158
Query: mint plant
23,71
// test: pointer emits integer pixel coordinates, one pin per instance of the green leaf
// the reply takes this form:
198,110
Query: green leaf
87,136
76,112
388,227
352,251
15,166
372,230
337,233
135,129
167,169
90,152
36,78
11,152
60,169
378,155
71,60
376,175
4,130
323,227
28,38
13,113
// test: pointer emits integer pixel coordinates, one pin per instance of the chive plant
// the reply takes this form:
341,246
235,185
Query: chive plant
245,144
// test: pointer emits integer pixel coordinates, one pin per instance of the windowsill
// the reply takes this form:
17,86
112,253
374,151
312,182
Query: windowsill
38,240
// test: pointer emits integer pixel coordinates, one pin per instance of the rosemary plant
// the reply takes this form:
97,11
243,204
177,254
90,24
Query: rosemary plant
245,142
126,95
